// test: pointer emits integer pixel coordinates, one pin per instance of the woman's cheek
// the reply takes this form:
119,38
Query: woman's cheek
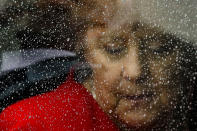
105,98
162,71
105,82
165,97
106,69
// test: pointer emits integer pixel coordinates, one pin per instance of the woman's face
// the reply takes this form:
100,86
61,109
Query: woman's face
135,73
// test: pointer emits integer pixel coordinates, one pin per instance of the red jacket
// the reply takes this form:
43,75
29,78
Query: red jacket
69,107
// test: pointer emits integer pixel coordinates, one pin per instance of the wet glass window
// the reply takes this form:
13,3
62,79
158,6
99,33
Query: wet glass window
98,64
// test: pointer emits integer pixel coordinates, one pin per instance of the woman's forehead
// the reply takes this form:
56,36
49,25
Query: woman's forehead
128,28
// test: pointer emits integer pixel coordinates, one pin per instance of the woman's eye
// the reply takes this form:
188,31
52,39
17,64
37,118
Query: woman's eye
114,45
155,47
159,48
115,50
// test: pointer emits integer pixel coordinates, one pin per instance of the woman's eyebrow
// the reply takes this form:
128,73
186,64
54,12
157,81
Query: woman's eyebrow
96,24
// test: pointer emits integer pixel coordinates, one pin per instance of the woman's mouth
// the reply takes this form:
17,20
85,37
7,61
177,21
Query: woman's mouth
136,102
139,100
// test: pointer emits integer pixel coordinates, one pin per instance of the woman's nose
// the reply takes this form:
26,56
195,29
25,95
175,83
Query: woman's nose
131,69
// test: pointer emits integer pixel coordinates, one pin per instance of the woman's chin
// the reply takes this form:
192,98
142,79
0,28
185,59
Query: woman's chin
138,116
137,119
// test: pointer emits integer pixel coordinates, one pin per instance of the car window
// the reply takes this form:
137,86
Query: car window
137,59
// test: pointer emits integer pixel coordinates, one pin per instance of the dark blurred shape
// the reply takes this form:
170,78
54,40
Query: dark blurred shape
35,24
